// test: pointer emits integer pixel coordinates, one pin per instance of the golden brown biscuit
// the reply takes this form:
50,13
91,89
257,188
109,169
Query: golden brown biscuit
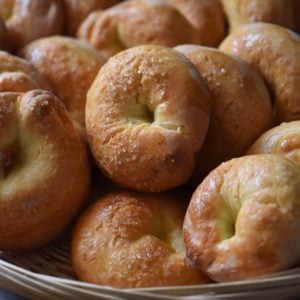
283,139
241,106
207,18
243,220
275,52
147,115
44,171
77,10
70,66
242,12
27,20
130,240
18,75
136,22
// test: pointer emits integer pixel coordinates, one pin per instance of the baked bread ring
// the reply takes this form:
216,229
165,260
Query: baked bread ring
131,240
147,114
70,66
27,20
275,52
44,171
77,10
18,75
207,18
242,12
241,106
243,219
136,22
283,139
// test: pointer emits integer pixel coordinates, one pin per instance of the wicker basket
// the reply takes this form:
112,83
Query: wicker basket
47,274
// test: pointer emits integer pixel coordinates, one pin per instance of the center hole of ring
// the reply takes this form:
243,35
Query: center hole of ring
230,229
226,223
161,229
7,9
9,158
140,113
147,114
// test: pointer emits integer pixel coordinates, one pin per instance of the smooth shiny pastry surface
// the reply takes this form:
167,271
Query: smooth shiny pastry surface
131,240
283,140
77,10
242,12
275,52
44,171
70,66
207,18
136,22
18,75
27,20
243,219
241,106
147,115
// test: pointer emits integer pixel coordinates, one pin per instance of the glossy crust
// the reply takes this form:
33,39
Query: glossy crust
147,115
131,240
207,18
136,22
283,139
243,220
44,170
275,52
241,106
4,38
70,66
242,12
77,10
27,20
18,75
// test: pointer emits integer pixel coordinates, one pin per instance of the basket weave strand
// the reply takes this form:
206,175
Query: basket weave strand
29,275
46,273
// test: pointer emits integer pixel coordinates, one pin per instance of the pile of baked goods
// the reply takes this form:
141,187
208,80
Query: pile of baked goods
191,111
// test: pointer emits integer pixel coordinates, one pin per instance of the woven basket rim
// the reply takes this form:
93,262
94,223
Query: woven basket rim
279,280
29,275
